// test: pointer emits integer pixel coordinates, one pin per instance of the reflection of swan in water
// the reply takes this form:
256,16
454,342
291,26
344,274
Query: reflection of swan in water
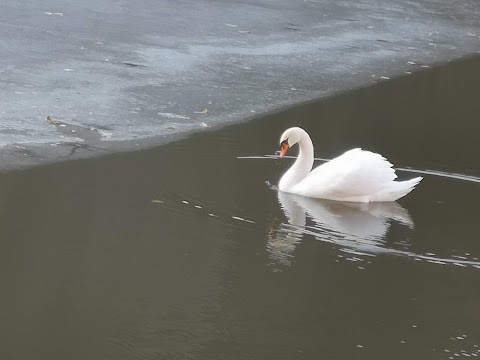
360,227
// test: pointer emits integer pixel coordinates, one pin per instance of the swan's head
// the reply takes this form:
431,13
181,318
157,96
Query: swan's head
289,138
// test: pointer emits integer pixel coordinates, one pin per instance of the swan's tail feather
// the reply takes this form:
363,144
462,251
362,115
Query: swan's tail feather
396,190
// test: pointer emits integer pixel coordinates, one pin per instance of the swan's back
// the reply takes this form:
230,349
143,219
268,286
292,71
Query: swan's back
357,175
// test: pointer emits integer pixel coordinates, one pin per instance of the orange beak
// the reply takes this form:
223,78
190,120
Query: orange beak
283,150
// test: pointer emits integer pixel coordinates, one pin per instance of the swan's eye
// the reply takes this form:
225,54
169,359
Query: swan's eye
284,142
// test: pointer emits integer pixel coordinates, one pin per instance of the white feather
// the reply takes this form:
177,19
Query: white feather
356,176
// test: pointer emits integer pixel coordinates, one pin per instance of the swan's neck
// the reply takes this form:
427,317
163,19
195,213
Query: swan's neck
302,166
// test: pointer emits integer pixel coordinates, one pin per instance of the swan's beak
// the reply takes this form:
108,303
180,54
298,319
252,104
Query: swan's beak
284,149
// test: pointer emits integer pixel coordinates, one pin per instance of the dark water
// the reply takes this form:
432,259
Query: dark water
219,266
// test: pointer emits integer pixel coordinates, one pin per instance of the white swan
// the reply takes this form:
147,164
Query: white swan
355,176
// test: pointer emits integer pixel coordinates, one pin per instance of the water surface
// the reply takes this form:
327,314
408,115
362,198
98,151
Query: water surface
187,251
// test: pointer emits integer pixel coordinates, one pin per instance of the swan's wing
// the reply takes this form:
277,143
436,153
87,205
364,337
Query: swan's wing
356,173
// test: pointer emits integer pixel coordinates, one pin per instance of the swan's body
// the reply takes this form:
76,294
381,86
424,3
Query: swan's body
355,176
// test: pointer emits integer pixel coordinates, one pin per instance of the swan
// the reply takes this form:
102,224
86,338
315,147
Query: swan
355,176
